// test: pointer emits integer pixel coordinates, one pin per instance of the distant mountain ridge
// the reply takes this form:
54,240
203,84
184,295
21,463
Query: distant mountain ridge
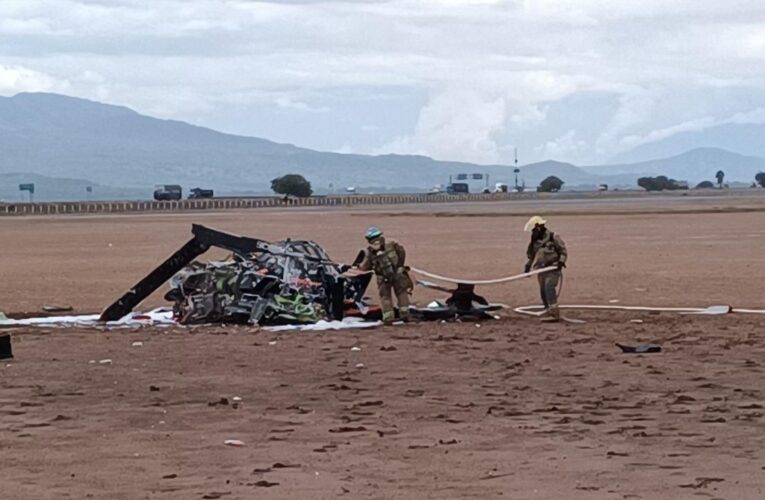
65,137
695,165
746,139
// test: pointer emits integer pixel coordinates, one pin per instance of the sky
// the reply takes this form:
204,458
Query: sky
472,80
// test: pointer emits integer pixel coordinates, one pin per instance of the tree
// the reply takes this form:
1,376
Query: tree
550,185
649,184
720,176
292,184
705,185
760,178
660,183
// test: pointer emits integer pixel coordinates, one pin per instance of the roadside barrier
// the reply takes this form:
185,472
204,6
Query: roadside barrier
121,207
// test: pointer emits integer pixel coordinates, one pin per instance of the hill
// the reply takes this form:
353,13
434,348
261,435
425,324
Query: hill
694,166
126,154
59,136
742,138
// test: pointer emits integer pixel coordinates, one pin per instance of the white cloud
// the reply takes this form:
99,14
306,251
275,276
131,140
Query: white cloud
631,141
14,79
457,124
490,69
286,101
755,116
564,148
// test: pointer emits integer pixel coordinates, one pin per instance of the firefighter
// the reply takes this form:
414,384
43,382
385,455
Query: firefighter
388,261
546,249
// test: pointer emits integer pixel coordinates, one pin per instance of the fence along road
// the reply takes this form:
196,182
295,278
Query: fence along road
747,197
118,207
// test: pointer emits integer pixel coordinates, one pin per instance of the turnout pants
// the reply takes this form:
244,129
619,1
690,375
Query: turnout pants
548,289
400,285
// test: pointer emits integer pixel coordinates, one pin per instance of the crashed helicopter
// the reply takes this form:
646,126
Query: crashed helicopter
287,282
264,283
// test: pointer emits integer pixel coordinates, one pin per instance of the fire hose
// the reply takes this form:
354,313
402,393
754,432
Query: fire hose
485,282
538,310
708,311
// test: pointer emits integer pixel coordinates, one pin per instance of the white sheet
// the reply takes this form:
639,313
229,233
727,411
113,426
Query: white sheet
161,316
346,323
164,316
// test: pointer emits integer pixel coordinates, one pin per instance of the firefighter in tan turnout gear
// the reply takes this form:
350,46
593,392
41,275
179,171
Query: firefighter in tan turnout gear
546,249
388,261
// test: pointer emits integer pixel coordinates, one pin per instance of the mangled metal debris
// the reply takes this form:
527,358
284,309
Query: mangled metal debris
463,304
288,282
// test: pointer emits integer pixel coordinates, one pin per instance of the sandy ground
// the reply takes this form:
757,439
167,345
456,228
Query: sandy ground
508,409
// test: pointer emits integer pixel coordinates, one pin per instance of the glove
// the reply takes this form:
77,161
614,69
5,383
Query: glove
527,269
561,265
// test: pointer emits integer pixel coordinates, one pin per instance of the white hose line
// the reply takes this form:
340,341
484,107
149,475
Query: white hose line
484,282
710,311
748,311
539,310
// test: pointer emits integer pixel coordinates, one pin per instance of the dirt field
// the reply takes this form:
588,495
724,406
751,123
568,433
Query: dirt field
505,409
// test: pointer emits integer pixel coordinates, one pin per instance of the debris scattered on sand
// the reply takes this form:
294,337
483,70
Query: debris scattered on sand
639,349
344,429
56,309
702,482
6,352
462,303
265,484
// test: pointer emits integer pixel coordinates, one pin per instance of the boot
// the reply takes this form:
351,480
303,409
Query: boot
553,315
388,317
403,314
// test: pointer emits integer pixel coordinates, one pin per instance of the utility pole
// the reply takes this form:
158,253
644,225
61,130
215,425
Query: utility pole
516,170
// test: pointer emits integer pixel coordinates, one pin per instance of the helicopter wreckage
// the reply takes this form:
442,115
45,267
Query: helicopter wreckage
283,283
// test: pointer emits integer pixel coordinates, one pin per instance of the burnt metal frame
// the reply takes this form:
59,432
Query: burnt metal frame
204,238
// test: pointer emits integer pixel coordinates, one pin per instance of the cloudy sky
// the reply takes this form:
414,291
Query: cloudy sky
576,80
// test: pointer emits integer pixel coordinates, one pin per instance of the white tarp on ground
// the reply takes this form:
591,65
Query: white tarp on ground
164,316
161,316
345,324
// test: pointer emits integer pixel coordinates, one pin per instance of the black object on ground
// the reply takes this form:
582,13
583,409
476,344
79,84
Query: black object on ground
639,349
5,347
462,303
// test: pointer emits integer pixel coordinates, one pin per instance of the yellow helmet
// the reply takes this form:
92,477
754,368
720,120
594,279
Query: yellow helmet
533,222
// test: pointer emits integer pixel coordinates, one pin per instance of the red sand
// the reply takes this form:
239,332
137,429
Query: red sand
509,409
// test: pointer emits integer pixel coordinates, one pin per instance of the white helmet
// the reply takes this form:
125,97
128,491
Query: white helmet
534,222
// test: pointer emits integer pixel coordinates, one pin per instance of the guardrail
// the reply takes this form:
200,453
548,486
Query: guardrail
122,207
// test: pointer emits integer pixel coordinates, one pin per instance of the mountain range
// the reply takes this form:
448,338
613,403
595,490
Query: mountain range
54,140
